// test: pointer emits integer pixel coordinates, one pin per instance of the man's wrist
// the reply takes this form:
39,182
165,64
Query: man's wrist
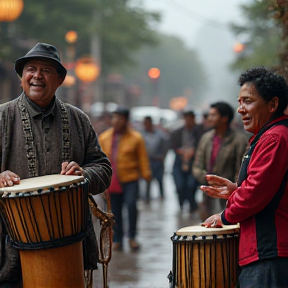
223,218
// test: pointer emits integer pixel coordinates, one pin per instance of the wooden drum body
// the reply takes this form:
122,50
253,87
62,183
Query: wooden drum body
46,219
205,257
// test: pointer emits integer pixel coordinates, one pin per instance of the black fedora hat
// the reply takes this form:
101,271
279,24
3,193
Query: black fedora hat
41,50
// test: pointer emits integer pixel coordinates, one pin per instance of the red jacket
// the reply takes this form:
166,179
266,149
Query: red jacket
260,203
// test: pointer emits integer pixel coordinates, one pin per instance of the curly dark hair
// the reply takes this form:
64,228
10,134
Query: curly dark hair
268,84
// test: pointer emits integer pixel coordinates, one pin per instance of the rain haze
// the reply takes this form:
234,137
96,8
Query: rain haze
204,26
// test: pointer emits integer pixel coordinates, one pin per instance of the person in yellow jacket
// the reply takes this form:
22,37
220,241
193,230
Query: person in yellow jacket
125,147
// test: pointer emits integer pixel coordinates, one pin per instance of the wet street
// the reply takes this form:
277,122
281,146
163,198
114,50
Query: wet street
158,220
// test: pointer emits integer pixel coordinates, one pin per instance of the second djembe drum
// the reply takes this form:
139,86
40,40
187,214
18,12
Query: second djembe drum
205,257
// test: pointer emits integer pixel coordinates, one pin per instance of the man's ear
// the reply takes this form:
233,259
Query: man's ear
224,119
61,79
274,102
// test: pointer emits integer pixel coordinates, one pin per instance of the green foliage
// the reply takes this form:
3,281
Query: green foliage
122,28
261,36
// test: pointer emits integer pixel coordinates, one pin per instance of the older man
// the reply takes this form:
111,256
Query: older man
41,135
259,199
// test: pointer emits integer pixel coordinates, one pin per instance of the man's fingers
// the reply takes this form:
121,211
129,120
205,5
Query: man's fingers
211,189
217,183
220,192
205,224
216,180
212,222
64,168
224,192
72,169
3,184
8,178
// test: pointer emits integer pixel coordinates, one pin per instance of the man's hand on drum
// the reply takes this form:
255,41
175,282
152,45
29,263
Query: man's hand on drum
219,187
71,168
8,178
213,221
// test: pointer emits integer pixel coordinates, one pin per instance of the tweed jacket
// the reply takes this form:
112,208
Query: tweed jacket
47,142
83,145
228,159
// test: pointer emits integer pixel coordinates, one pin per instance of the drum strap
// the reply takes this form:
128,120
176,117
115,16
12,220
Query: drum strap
29,139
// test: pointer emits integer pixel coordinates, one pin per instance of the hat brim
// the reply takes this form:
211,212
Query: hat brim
20,63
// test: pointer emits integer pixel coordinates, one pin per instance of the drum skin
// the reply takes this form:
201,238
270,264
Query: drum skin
42,219
47,225
205,257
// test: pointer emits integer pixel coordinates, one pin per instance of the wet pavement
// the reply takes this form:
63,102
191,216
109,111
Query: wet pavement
158,220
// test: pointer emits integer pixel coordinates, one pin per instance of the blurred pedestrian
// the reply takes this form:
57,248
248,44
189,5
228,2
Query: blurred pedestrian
103,122
259,198
184,141
220,152
157,146
125,147
205,125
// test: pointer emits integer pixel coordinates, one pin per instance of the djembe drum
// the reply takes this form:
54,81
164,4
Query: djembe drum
205,257
46,219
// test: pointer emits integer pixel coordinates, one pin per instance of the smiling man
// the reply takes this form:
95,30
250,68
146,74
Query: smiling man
41,135
40,80
259,199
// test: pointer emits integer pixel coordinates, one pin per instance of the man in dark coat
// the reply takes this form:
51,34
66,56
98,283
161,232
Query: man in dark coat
184,142
41,135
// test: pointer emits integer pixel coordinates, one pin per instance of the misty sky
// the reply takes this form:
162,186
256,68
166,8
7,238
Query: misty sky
185,17
203,26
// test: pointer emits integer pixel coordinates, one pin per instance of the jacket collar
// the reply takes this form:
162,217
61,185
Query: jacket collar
269,123
35,110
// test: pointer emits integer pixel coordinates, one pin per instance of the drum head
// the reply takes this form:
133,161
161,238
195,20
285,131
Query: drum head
203,231
43,182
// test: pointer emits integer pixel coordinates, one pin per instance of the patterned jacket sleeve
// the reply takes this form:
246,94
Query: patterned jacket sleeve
97,167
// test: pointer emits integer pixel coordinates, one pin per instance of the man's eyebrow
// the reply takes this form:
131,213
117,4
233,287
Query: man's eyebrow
248,96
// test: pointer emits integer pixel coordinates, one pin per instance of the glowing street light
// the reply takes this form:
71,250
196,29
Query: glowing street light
178,103
87,70
69,81
71,39
71,36
239,47
154,73
10,10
